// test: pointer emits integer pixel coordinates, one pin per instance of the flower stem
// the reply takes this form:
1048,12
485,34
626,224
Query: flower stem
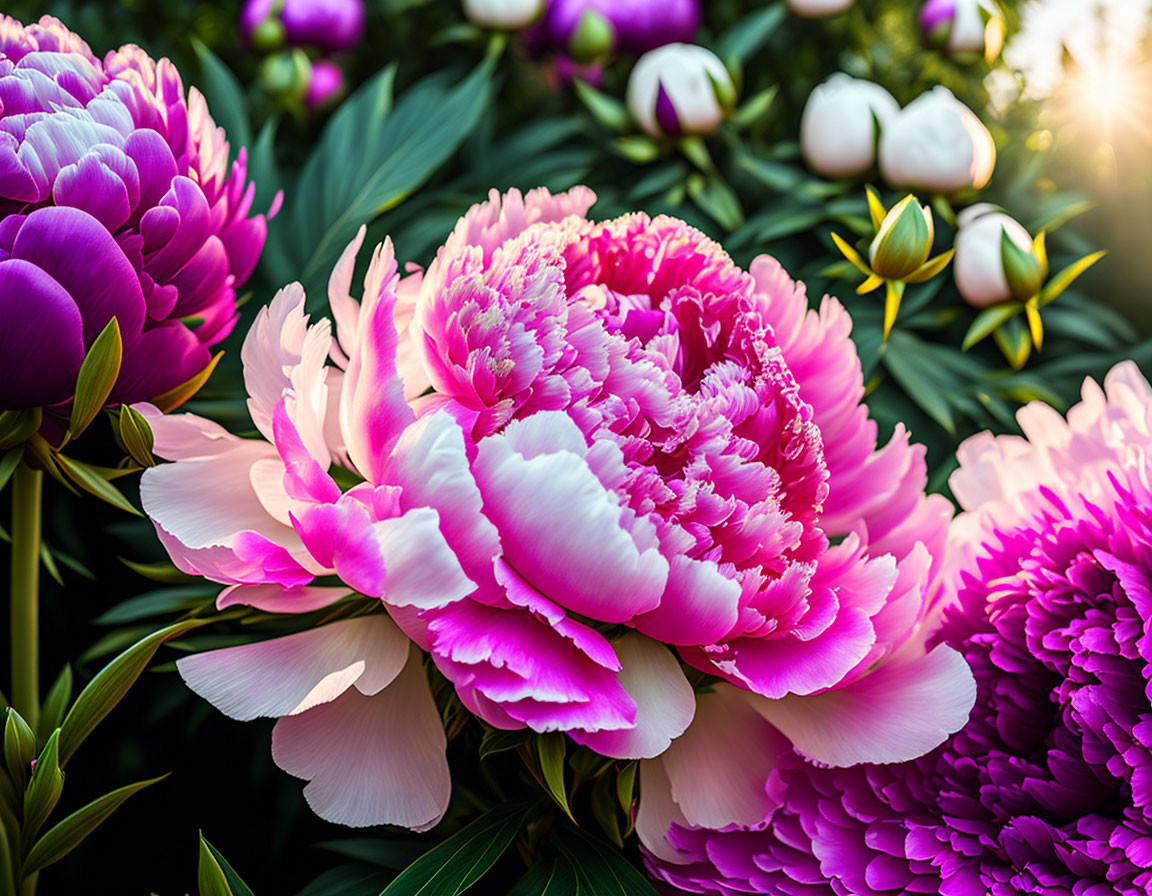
25,593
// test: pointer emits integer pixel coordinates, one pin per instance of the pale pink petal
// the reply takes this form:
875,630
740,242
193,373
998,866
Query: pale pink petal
291,674
371,760
657,812
566,534
722,769
186,436
665,702
899,712
345,309
277,599
373,412
430,464
408,358
283,355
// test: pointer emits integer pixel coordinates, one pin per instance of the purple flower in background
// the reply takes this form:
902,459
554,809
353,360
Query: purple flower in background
325,85
116,200
329,25
1047,789
637,25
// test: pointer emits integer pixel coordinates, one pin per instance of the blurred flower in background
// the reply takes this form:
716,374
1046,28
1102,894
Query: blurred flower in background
841,125
679,90
967,29
984,273
818,9
505,14
632,26
937,144
326,25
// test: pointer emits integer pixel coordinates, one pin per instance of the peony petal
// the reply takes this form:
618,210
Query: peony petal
720,770
371,760
277,599
564,532
665,702
289,675
898,713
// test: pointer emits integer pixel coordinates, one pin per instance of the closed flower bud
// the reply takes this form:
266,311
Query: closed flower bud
680,89
904,240
994,259
326,85
330,25
635,26
286,75
818,9
963,28
508,14
936,144
841,123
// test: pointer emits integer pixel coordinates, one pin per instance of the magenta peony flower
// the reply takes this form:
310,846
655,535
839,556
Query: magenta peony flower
632,444
116,199
637,26
325,86
1045,791
330,25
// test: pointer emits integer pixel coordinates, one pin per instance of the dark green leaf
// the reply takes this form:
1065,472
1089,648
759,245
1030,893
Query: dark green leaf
56,704
745,37
90,479
915,368
498,741
19,747
988,320
370,159
715,198
65,836
348,880
44,788
607,110
8,464
111,684
215,877
164,571
462,859
600,868
550,751
162,602
553,877
18,426
626,786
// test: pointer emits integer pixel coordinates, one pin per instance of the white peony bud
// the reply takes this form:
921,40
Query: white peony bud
509,14
680,89
979,264
936,144
818,9
965,28
838,130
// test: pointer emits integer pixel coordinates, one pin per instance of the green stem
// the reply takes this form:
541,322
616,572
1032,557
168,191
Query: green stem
25,593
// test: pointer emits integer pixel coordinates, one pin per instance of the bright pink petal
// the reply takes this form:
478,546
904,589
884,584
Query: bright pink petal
289,675
899,712
565,533
665,702
373,412
371,760
699,605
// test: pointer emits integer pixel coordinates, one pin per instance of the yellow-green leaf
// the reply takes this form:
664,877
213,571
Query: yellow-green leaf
173,398
97,376
43,789
550,750
988,320
1066,277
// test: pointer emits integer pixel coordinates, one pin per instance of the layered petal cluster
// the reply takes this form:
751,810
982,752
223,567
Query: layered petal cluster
117,199
584,455
1046,789
667,443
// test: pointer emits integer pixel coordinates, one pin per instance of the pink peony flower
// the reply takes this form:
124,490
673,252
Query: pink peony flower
1045,789
632,445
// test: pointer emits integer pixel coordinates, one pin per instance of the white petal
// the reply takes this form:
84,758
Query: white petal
371,760
285,675
665,702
